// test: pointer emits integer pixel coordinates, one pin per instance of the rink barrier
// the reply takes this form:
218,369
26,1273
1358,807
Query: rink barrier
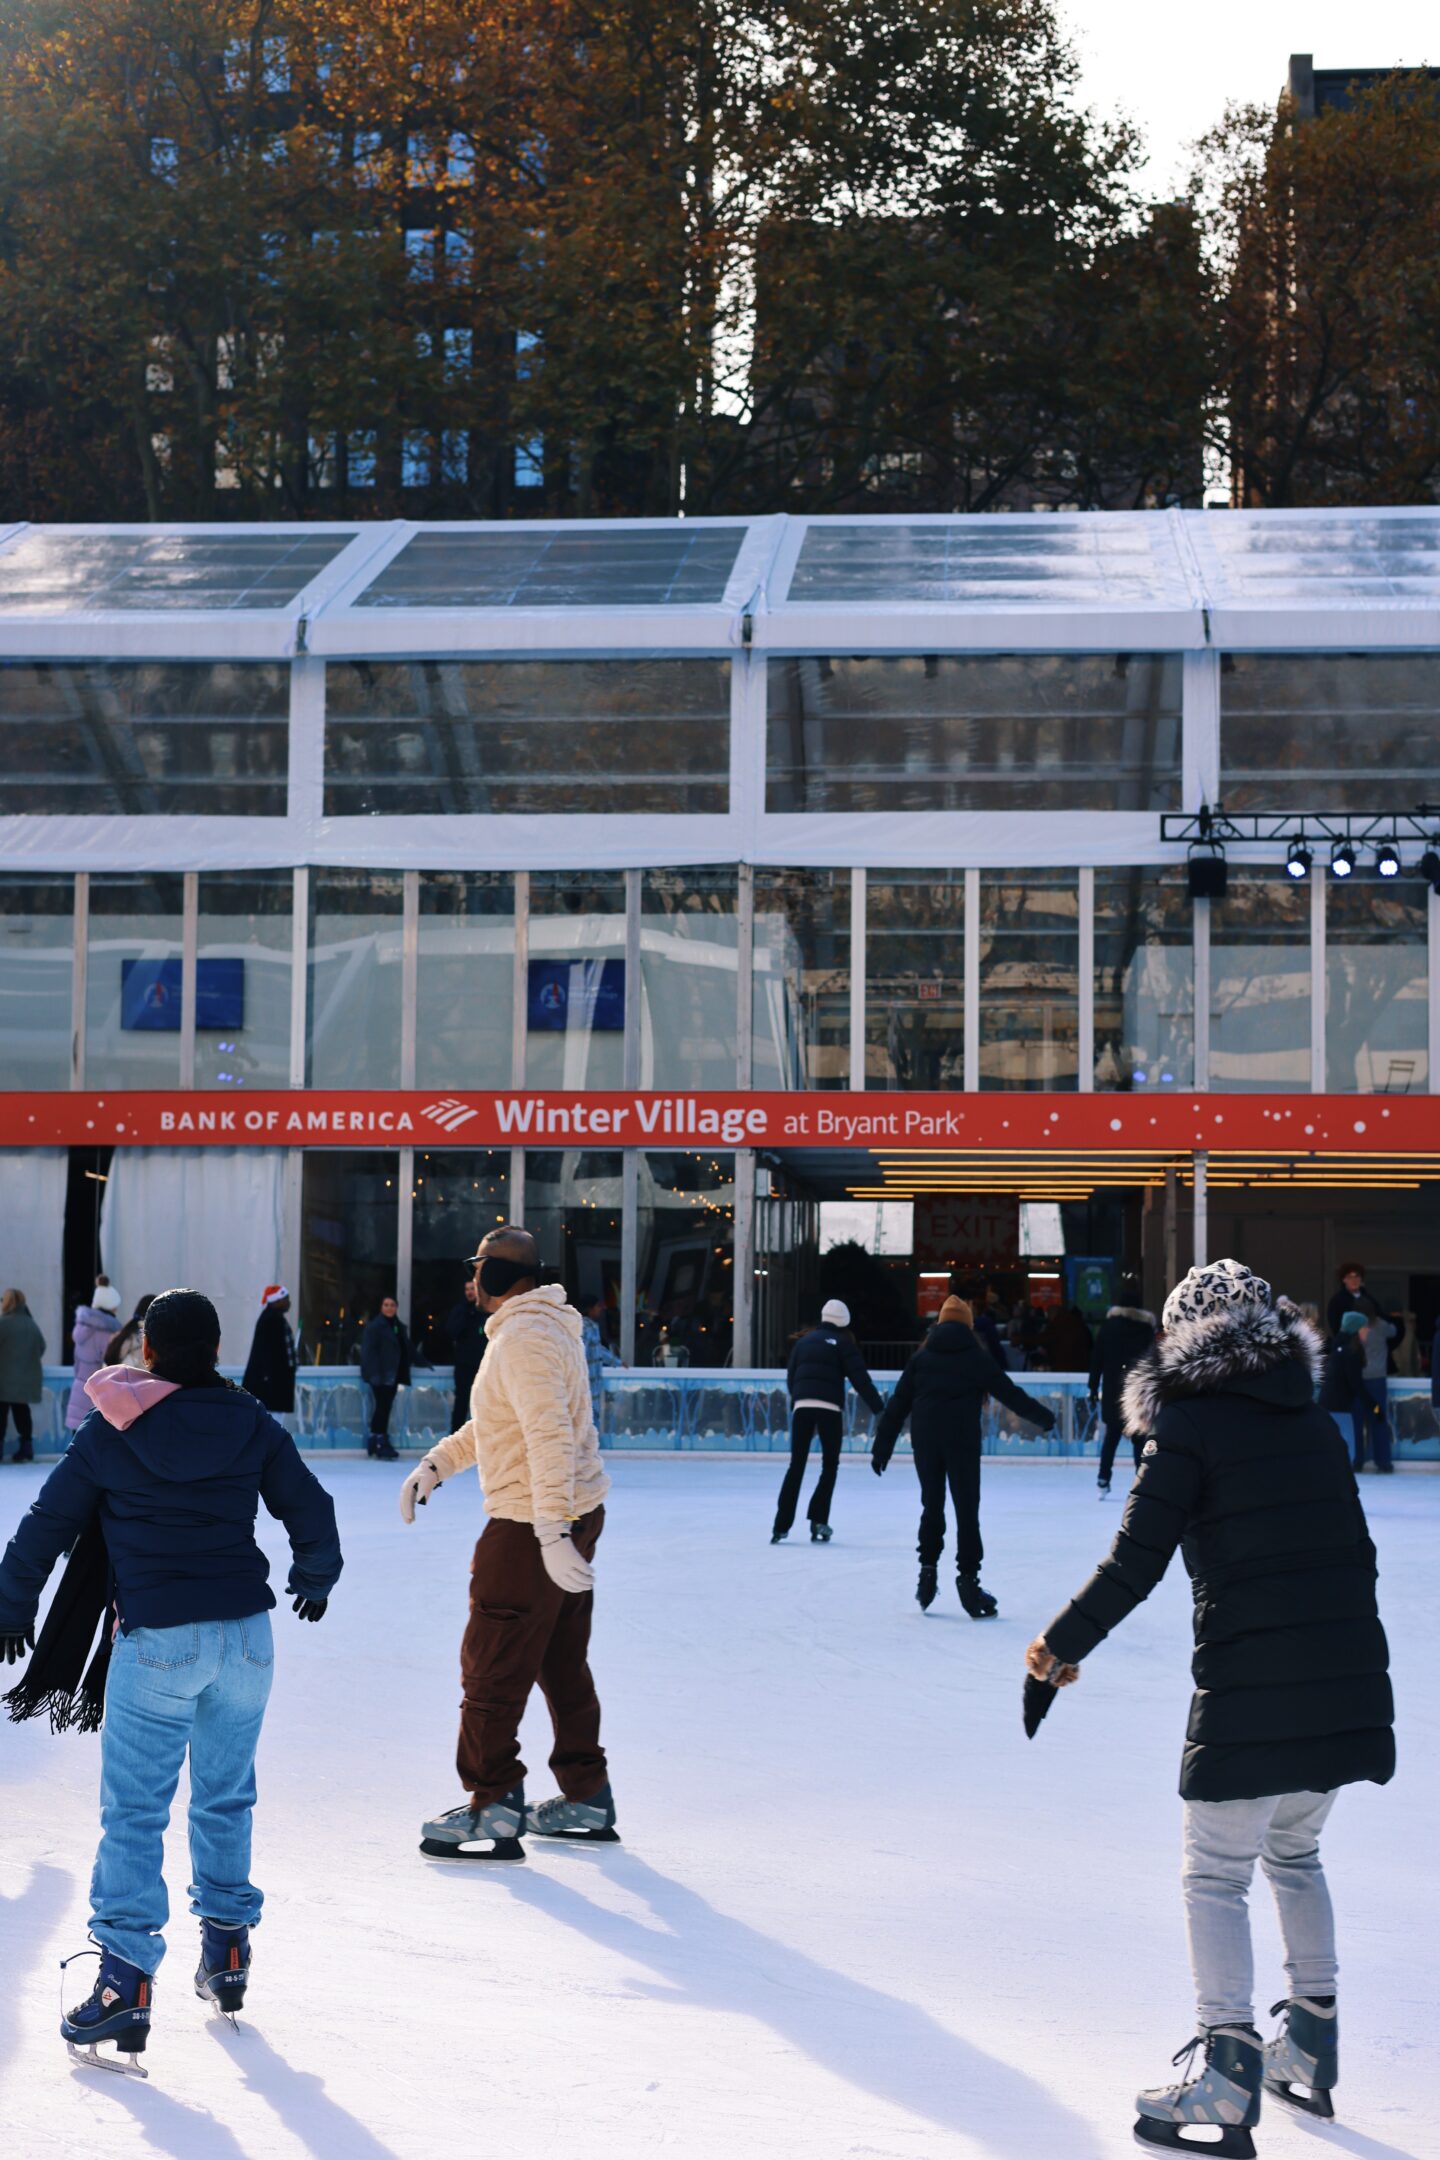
700,1410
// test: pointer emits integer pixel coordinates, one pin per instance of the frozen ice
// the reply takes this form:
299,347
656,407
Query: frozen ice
856,1916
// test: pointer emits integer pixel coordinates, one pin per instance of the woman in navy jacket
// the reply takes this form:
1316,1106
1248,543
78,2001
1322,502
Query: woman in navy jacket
175,1461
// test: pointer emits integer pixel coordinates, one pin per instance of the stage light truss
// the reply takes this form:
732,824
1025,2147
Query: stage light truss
1034,1176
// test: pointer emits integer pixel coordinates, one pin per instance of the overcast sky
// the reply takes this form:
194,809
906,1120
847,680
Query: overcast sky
1172,68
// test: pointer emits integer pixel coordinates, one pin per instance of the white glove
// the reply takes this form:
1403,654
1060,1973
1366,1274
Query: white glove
422,1481
567,1569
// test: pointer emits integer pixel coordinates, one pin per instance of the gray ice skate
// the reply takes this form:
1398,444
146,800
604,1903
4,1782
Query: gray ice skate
1225,2097
491,1832
1302,2062
589,1821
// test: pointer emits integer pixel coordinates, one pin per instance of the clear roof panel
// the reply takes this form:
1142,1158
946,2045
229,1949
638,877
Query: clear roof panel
1049,562
58,572
630,566
1251,558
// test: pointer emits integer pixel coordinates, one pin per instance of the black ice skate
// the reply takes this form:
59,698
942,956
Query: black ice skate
589,1821
1302,2062
926,1588
223,1973
820,1533
778,1537
378,1448
1102,1488
1225,2098
491,1832
976,1600
118,2009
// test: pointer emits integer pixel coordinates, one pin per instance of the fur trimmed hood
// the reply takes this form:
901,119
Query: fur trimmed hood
1198,1356
1131,1312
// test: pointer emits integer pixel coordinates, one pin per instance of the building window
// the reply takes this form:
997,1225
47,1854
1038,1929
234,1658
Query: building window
1260,983
360,458
132,981
37,967
454,456
164,157
1144,981
688,958
157,738
349,1236
915,979
572,1209
415,458
576,989
530,462
685,1260
1007,732
419,254
1329,731
802,979
242,979
465,999
459,256
356,958
458,351
1029,979
1377,992
324,461
460,160
504,737
458,1196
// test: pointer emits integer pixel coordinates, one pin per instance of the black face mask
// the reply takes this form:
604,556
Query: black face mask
498,1276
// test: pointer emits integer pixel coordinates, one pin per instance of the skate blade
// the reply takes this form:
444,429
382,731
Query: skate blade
1308,2099
579,1837
1225,2142
88,2058
505,1848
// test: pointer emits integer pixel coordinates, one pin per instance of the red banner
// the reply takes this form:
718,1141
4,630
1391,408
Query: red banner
999,1124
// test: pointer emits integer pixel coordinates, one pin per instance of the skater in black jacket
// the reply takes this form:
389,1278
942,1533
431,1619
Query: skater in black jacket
820,1364
1250,1478
942,1392
1126,1333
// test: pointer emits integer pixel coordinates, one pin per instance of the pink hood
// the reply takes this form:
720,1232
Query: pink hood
121,1393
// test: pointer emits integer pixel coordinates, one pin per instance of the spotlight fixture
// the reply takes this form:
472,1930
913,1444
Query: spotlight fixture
1207,870
1387,859
1298,859
1342,860
1429,865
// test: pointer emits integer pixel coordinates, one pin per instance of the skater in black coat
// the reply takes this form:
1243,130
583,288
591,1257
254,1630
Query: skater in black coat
270,1369
464,1333
942,1392
1248,1476
1126,1333
821,1362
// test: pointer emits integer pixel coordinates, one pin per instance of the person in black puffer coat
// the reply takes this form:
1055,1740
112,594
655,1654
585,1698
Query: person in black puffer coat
823,1359
270,1367
1126,1333
942,1392
1250,1478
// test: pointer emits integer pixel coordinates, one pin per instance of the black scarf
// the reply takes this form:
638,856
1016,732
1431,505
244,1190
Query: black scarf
53,1679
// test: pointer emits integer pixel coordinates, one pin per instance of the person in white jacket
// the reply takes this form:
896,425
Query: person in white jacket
531,1435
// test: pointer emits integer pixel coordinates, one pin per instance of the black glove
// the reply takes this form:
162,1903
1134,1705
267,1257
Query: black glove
880,1458
14,1647
311,1608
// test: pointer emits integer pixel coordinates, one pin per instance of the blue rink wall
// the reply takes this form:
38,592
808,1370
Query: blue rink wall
695,1411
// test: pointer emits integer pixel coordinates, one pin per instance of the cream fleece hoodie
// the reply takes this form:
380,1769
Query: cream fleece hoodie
530,1432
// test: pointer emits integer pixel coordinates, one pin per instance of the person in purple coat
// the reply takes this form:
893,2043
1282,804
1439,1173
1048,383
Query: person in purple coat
94,1326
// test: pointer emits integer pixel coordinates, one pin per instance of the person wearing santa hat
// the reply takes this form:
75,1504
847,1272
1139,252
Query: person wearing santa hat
270,1371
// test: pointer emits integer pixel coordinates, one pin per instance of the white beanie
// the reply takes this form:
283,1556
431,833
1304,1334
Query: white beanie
106,1298
1221,1287
835,1312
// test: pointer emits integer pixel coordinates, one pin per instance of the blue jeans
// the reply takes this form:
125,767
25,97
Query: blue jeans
202,1686
1370,1415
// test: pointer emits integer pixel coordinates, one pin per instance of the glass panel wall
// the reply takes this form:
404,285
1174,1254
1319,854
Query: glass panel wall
688,960
37,966
448,738
1377,992
576,992
464,997
1144,980
996,732
915,979
132,982
802,979
349,1233
356,955
1029,980
572,1208
1260,983
162,738
242,979
1328,731
459,1194
685,1239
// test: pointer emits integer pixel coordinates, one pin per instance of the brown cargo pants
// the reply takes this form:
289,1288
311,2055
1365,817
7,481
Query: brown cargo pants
523,1629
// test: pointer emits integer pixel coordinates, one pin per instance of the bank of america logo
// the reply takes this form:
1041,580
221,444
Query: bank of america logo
450,1113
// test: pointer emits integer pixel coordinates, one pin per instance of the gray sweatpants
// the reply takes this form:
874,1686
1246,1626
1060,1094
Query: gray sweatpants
1223,1840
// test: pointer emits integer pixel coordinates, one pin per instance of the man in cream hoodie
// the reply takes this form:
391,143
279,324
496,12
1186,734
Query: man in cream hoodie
531,1436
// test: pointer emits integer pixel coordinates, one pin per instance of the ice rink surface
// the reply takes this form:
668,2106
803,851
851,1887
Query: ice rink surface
856,1915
